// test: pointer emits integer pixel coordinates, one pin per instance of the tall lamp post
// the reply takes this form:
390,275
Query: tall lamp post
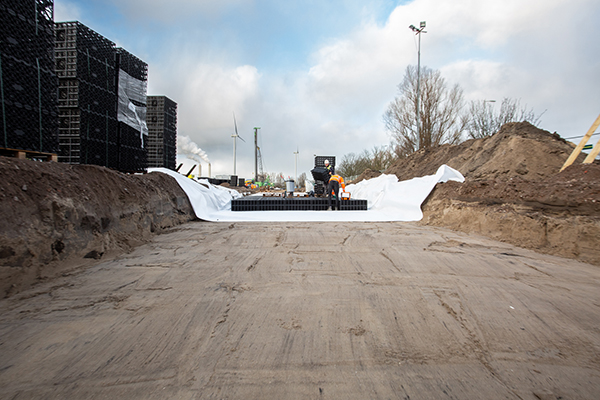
296,166
418,33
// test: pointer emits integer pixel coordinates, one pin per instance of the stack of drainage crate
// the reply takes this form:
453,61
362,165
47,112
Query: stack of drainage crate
132,81
161,119
85,65
320,163
27,80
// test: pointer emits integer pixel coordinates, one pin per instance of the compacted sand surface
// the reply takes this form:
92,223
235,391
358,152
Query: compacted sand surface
308,311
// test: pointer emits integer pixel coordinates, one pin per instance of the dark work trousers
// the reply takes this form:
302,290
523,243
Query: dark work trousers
333,186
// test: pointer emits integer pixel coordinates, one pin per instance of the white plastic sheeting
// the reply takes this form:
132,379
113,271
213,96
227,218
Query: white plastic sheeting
132,90
388,200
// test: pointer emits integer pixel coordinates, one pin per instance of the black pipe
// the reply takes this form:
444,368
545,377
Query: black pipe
188,174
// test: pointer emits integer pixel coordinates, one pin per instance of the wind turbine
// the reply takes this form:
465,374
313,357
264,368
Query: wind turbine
235,137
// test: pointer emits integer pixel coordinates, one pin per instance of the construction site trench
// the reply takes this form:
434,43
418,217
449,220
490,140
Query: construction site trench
112,288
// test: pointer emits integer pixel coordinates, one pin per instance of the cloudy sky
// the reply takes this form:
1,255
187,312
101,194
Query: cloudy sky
316,76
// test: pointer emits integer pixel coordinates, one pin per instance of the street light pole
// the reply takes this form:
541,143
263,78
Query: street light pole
296,166
418,32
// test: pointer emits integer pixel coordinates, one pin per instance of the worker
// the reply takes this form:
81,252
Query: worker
333,189
329,169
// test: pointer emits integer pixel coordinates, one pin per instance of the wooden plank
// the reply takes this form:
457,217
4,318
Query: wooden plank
579,147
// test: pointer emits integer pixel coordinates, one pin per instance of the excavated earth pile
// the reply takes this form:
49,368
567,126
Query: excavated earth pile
513,191
54,215
518,149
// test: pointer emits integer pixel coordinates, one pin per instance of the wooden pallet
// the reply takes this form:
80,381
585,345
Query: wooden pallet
29,155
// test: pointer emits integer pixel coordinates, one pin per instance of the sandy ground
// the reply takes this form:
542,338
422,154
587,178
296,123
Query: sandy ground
308,311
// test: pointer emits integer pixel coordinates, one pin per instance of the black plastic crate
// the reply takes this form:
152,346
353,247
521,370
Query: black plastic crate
25,128
75,93
293,204
29,111
96,126
69,149
98,152
132,159
130,64
131,137
23,82
320,174
77,63
75,36
320,161
27,30
161,119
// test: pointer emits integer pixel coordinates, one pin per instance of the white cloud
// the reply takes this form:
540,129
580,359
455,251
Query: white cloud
542,52
66,11
174,11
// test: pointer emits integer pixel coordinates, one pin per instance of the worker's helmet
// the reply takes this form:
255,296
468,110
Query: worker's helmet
326,162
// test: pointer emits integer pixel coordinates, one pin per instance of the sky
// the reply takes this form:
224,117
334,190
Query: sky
317,76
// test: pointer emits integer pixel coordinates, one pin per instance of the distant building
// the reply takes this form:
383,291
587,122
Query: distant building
161,118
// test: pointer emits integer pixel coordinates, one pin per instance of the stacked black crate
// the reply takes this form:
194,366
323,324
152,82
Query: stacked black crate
320,167
86,95
27,80
131,88
161,119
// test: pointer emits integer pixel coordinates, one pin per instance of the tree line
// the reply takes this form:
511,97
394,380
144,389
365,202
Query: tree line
444,117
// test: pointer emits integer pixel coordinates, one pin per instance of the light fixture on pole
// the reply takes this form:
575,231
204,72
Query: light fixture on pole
418,32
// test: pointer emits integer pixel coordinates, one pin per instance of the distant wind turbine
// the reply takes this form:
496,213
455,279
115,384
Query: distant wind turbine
235,137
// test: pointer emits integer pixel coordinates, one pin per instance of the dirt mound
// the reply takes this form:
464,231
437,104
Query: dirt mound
513,191
51,213
519,149
367,174
574,191
558,215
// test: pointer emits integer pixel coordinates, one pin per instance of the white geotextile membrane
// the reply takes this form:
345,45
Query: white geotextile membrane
387,200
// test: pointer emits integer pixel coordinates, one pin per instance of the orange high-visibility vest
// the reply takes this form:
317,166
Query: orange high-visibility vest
338,179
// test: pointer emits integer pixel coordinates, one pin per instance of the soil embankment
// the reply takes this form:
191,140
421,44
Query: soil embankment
514,192
53,213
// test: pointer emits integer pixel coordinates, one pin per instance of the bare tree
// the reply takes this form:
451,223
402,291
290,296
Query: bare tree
484,121
349,166
378,159
440,115
279,180
301,180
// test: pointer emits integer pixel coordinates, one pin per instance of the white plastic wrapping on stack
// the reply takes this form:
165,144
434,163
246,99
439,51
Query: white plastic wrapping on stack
132,91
